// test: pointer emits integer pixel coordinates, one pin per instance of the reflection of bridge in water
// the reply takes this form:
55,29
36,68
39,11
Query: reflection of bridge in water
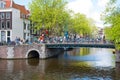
51,69
78,45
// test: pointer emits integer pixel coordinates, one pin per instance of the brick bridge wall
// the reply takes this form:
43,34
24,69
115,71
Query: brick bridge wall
22,51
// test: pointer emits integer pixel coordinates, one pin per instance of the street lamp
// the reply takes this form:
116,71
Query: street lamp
66,31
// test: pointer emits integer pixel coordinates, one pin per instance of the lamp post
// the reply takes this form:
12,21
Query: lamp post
66,30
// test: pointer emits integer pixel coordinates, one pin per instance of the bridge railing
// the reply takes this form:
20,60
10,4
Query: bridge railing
61,40
76,40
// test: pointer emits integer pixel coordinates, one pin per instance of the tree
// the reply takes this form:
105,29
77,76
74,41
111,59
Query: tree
48,14
81,24
112,17
53,15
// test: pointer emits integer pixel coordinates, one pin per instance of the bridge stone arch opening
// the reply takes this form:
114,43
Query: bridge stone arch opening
33,54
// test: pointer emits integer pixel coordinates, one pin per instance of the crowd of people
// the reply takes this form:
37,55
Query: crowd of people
19,41
69,39
46,38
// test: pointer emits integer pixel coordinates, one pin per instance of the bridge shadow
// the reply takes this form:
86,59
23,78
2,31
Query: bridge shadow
33,62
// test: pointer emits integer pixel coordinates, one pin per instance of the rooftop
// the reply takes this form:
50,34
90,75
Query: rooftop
11,3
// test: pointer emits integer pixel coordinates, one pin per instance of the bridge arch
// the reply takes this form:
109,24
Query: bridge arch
33,53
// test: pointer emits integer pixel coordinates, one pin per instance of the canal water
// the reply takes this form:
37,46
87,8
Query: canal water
78,64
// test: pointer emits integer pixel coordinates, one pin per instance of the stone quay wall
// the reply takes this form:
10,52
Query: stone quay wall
22,51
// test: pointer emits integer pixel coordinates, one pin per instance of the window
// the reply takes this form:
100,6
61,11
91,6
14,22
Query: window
8,15
32,31
8,24
3,36
8,39
2,24
28,27
25,36
24,25
28,34
2,15
2,5
8,33
8,36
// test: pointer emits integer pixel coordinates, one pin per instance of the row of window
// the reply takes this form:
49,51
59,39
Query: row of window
7,34
5,24
26,26
5,15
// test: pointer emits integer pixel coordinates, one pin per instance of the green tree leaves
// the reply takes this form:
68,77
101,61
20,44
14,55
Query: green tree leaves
80,23
112,17
53,15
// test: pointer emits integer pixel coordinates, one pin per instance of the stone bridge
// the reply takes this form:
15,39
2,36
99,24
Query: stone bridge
43,51
27,51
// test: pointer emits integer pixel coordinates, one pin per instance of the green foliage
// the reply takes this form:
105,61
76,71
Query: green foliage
81,24
52,14
112,17
47,13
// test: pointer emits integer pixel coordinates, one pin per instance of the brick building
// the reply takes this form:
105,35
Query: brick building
13,21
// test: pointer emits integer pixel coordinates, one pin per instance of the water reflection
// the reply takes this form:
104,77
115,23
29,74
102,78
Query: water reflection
96,57
95,64
33,62
117,68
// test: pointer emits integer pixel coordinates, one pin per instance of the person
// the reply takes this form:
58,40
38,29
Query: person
41,38
104,41
26,41
46,31
17,41
21,42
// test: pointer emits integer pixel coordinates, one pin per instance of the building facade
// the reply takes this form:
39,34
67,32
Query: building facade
14,21
100,32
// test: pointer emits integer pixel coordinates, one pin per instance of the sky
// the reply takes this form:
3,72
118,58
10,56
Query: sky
91,8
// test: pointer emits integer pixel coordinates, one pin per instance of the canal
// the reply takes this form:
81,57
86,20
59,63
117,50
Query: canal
78,64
